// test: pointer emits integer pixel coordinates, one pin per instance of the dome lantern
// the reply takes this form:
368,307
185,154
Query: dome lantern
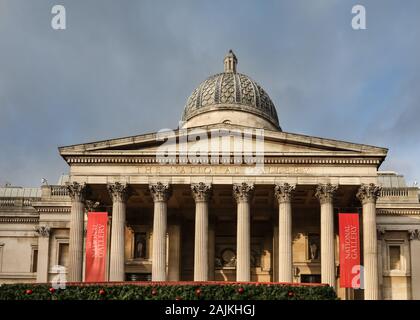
230,62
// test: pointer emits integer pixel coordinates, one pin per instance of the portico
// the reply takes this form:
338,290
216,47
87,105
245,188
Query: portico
213,222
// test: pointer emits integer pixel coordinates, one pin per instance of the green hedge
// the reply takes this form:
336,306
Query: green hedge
154,291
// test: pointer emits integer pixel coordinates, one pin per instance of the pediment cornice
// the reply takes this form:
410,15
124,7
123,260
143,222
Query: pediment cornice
96,159
292,148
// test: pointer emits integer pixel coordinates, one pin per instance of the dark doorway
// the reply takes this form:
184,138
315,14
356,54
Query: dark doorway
138,277
310,278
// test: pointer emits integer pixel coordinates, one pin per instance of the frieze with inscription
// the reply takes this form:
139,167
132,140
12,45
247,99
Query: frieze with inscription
222,170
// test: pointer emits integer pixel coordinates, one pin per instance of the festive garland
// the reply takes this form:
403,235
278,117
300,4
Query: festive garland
165,291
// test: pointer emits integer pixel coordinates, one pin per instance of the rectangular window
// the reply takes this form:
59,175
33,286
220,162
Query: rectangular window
63,254
310,278
395,257
1,255
34,260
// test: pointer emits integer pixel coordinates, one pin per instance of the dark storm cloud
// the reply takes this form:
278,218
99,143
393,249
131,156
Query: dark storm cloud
127,67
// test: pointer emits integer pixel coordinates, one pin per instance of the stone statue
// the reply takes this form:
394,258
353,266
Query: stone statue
140,246
314,250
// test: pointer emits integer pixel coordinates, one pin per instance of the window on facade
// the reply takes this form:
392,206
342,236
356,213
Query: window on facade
34,260
63,254
1,255
395,257
310,278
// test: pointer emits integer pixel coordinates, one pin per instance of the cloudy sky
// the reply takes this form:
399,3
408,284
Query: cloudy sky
127,67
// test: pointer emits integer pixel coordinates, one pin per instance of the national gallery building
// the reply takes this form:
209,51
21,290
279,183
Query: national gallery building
226,196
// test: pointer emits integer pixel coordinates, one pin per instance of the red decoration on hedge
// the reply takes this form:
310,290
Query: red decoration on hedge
182,291
51,290
154,292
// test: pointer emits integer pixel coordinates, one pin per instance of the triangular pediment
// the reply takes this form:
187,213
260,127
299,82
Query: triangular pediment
276,143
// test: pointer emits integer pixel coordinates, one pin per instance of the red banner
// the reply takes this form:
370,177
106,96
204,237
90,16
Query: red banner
96,245
349,250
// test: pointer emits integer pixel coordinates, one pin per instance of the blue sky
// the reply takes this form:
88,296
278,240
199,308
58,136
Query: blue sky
127,67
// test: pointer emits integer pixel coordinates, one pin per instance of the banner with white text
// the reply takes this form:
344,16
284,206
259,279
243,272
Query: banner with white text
96,244
349,250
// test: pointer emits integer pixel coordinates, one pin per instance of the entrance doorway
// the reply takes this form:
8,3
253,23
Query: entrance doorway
310,278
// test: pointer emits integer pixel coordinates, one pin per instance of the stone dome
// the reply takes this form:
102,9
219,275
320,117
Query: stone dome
230,97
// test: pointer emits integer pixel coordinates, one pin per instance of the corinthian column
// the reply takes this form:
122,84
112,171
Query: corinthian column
243,193
119,194
43,233
201,193
325,194
77,194
414,236
283,194
160,193
368,194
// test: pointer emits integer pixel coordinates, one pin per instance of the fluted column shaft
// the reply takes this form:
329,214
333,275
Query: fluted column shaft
414,236
243,194
327,244
159,241
201,242
201,193
119,194
174,252
160,193
325,194
243,263
283,194
370,251
77,194
368,195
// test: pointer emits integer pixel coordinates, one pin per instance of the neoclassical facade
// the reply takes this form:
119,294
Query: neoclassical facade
230,214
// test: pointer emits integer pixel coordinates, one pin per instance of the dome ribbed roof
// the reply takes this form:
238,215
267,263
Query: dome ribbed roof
230,91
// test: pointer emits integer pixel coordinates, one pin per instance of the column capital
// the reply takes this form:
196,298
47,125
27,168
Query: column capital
368,193
201,191
243,192
42,231
283,192
414,234
119,192
160,191
325,192
77,191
